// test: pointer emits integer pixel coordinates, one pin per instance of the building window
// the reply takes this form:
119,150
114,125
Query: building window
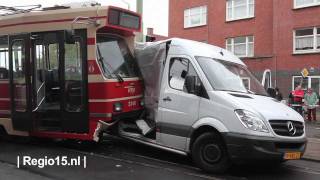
195,17
308,82
307,40
241,46
239,9
305,3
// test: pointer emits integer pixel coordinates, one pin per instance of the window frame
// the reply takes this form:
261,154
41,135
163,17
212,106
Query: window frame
203,12
315,36
169,72
246,16
309,78
247,45
314,3
4,52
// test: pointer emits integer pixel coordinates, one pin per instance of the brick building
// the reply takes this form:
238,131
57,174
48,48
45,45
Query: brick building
275,38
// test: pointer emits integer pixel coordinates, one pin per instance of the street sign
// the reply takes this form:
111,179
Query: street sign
304,72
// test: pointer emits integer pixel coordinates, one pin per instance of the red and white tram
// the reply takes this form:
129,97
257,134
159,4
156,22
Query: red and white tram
66,72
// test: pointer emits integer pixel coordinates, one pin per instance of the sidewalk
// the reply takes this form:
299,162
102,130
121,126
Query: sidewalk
313,150
313,135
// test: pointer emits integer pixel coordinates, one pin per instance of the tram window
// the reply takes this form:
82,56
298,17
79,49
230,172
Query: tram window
40,50
40,73
19,78
53,56
73,77
4,58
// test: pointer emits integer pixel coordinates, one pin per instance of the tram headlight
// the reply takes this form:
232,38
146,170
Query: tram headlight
142,103
117,107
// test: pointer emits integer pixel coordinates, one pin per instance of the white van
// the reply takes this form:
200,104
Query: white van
202,101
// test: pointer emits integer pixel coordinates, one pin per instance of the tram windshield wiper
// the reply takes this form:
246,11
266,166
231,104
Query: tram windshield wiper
105,69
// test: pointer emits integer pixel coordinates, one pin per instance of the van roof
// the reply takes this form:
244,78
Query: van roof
195,48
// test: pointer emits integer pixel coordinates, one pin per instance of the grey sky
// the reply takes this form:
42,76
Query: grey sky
155,11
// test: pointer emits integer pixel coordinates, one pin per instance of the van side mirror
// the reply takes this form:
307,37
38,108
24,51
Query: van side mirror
69,36
193,85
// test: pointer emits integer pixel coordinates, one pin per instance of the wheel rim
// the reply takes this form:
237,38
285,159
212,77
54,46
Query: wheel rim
211,153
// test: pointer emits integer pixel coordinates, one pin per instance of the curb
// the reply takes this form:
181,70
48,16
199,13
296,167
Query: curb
314,140
310,159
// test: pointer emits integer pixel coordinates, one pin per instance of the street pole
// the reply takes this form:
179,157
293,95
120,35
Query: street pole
140,37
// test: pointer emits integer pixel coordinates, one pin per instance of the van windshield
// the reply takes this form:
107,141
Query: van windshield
227,76
115,57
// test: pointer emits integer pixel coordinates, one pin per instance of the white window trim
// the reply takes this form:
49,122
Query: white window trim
308,51
189,16
315,3
309,80
247,46
264,78
240,18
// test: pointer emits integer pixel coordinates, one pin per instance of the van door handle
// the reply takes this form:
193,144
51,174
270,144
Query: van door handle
167,99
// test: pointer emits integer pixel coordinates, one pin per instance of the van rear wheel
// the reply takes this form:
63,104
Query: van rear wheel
210,153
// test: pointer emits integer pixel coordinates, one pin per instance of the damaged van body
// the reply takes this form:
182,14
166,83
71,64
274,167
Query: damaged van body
201,100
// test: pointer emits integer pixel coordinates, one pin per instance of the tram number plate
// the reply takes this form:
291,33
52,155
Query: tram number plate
292,155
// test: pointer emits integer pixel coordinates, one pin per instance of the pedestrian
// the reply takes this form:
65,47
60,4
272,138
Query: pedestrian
311,101
278,94
298,95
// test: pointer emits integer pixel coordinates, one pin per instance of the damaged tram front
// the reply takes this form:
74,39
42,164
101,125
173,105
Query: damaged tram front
66,73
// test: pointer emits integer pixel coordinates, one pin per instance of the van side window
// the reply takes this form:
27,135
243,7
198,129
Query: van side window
179,69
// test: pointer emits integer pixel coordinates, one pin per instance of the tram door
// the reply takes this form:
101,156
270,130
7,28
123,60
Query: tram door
59,82
48,82
20,82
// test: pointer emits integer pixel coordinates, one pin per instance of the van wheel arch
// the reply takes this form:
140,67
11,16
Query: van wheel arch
208,150
201,130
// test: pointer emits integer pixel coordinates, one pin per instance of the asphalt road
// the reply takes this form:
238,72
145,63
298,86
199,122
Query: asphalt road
117,159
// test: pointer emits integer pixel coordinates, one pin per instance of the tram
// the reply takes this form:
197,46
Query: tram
68,73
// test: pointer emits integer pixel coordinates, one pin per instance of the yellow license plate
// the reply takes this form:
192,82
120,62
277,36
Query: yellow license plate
292,155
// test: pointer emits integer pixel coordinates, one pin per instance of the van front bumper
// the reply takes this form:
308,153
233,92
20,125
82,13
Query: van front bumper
246,148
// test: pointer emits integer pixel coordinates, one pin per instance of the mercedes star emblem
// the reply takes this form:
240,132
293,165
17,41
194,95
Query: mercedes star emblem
291,128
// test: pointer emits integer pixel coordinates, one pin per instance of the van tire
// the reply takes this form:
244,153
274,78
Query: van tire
213,144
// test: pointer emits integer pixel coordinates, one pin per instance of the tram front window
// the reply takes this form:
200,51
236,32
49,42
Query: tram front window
115,57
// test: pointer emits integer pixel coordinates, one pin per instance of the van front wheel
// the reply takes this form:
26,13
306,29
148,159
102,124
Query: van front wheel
210,154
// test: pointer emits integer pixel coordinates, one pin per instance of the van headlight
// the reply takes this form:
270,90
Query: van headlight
251,121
